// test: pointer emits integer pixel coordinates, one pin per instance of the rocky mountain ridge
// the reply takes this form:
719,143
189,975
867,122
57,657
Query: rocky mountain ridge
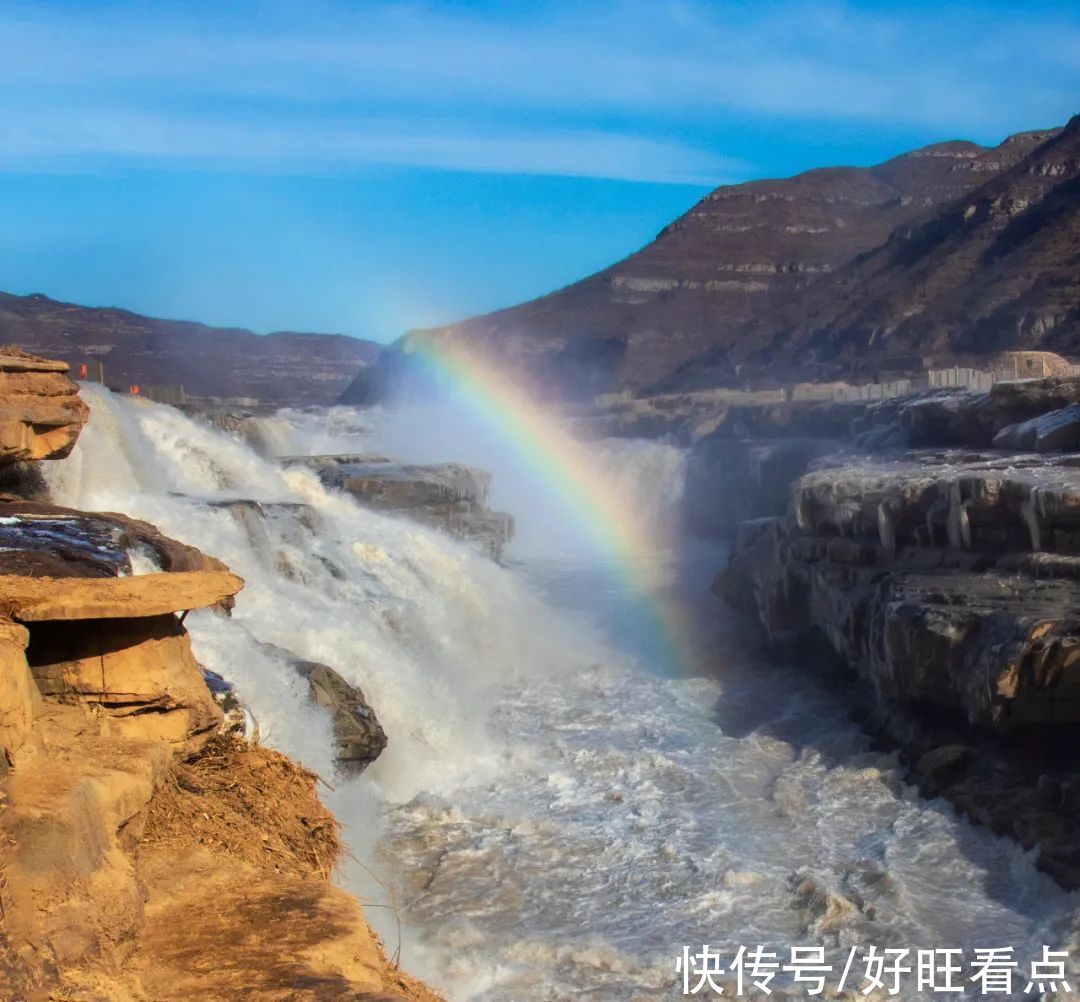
212,364
761,277
996,269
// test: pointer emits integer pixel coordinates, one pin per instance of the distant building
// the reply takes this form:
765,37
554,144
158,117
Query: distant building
1029,365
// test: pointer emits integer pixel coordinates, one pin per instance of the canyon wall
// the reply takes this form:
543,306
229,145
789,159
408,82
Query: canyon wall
943,569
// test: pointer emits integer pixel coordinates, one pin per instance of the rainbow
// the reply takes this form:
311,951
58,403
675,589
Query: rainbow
541,441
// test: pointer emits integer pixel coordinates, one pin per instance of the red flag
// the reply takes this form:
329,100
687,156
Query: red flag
82,371
134,389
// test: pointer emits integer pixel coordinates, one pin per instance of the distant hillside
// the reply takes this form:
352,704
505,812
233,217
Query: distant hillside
998,268
223,363
769,274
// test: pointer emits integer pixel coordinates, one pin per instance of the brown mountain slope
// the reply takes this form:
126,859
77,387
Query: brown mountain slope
998,268
722,272
225,363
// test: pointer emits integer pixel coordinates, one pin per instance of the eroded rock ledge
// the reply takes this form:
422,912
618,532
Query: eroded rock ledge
41,414
948,578
921,572
94,633
447,496
100,689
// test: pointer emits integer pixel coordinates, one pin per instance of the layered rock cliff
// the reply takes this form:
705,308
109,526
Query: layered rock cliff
219,364
723,282
41,414
946,575
447,496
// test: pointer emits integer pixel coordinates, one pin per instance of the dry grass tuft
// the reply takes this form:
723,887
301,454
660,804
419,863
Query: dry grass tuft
247,802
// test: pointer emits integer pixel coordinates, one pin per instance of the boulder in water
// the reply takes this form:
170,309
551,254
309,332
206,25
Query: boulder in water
358,734
447,496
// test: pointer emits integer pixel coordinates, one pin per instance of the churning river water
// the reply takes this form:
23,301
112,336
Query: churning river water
555,817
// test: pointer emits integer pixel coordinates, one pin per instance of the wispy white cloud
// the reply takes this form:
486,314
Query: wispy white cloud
53,139
623,90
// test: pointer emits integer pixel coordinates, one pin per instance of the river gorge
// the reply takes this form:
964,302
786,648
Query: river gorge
558,812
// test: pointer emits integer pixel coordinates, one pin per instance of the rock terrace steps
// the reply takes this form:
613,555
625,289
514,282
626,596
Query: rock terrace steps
14,359
946,574
92,636
448,496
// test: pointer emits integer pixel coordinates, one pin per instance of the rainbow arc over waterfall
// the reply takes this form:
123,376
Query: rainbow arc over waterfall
565,464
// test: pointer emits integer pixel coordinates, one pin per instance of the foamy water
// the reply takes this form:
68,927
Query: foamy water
553,817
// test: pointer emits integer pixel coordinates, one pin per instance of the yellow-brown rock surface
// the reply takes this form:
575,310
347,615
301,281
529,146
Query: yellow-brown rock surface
34,599
70,893
99,634
41,414
140,673
130,877
19,696
145,856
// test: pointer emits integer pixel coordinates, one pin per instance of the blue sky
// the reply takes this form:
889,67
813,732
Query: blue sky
368,167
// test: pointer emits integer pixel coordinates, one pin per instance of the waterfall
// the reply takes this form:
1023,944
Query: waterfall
648,472
424,626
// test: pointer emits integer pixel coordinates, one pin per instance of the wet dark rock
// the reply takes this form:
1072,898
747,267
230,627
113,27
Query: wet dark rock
1057,431
62,546
447,496
45,540
941,767
1049,788
237,718
358,734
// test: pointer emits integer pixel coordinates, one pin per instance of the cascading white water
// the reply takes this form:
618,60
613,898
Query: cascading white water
650,473
423,625
561,820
